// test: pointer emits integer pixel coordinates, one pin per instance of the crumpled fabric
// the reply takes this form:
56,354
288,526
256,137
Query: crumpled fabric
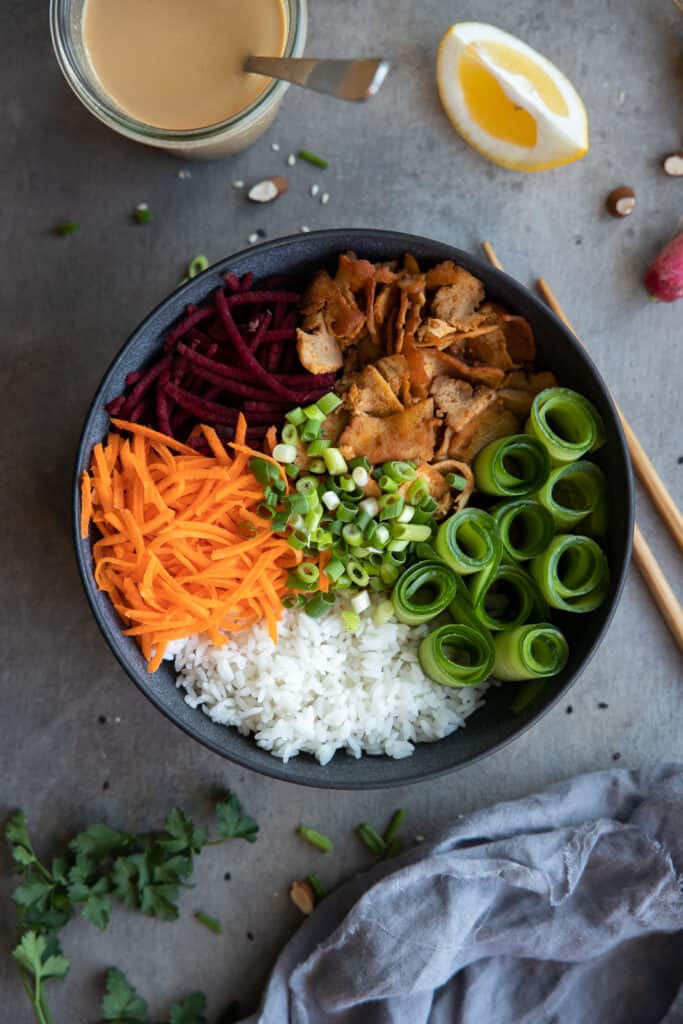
564,907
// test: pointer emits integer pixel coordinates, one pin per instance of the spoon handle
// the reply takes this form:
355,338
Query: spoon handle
345,79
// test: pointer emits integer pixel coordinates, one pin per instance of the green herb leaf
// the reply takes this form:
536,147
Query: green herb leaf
231,823
160,901
121,1002
35,892
100,841
209,922
16,833
181,834
189,1010
35,955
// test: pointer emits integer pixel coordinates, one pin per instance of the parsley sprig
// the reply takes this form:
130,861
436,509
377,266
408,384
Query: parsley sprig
142,871
122,1004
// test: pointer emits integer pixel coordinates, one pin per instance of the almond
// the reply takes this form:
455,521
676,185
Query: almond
267,190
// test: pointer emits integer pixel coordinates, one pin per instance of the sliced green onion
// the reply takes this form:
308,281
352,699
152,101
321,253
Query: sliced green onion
328,403
322,539
512,467
312,519
307,573
294,583
360,476
293,600
347,484
343,583
572,573
197,265
418,491
457,655
316,839
399,471
298,541
292,471
314,412
279,522
383,613
351,621
410,532
284,452
66,228
525,526
209,922
318,446
394,825
357,574
372,839
307,485
334,569
296,503
387,484
360,460
381,537
296,416
352,535
574,491
330,500
390,506
407,515
316,885
265,472
369,505
346,512
361,602
398,547
389,572
289,434
530,652
566,423
310,430
423,592
312,158
456,482
279,485
334,461
316,466
320,605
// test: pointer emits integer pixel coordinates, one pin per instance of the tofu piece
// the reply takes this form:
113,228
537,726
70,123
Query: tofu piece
410,434
371,393
519,389
494,421
318,349
458,299
460,402
490,349
394,369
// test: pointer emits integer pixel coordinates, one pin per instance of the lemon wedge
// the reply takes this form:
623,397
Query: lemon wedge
508,101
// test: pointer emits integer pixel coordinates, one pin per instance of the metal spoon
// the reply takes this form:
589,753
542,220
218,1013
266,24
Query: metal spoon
345,79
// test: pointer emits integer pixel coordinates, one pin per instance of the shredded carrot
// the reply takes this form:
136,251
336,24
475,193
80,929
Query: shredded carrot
181,548
324,580
270,440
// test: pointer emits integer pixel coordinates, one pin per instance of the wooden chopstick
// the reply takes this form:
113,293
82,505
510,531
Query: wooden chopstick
647,474
649,568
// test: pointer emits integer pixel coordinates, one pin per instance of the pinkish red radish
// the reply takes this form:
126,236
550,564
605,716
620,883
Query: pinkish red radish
664,279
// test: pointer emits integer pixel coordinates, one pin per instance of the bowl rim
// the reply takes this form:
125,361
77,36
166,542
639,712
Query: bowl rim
274,767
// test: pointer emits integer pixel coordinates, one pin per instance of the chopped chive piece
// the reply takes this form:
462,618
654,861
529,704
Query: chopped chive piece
289,434
297,504
294,582
352,535
292,470
331,500
399,471
390,506
279,522
293,600
372,839
298,542
284,452
394,825
316,839
264,471
316,466
387,484
361,460
143,215
418,491
456,481
209,922
410,532
351,621
335,569
306,485
357,575
197,266
311,430
428,505
317,887
296,416
346,512
67,227
328,403
312,158
394,848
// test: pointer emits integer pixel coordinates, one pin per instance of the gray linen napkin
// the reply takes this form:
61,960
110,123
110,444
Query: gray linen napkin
565,906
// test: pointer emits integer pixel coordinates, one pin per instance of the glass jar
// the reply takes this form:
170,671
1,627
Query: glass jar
217,140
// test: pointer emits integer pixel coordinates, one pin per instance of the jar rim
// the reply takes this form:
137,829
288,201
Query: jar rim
130,126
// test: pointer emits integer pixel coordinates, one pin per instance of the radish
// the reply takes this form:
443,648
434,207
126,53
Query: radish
664,279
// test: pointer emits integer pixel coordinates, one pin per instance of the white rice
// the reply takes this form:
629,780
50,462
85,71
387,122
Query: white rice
321,689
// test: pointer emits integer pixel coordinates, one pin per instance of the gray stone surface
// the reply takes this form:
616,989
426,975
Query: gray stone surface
67,305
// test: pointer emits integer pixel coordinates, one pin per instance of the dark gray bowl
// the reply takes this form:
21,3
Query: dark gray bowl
493,725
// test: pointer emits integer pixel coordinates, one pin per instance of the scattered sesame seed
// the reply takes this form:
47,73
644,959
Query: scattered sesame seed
680,460
227,876
142,207
260,232
325,198
238,183
314,190
105,784
117,720
275,146
419,839
616,757
569,709
602,704
250,936
253,238
304,229
184,175
291,159
101,719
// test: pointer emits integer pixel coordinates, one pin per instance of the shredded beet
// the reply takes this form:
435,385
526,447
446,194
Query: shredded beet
234,353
